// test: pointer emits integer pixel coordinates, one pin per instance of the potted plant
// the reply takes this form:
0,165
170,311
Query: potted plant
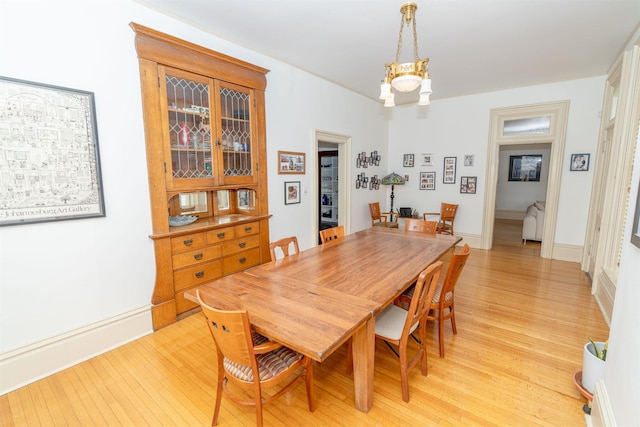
593,360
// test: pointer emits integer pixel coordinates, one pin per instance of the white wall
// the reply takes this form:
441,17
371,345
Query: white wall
459,126
67,278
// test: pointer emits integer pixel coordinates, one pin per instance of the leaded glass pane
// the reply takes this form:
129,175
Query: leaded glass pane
236,132
189,128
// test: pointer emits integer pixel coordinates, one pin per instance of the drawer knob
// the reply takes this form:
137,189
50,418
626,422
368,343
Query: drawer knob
220,235
198,256
188,242
248,229
200,274
242,244
242,260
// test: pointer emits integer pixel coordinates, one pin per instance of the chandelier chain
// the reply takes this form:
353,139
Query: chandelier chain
415,36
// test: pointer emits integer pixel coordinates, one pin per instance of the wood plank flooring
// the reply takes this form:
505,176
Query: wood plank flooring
522,322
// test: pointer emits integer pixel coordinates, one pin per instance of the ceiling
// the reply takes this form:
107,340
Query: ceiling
474,46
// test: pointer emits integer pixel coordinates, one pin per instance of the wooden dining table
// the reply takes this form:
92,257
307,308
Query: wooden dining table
317,299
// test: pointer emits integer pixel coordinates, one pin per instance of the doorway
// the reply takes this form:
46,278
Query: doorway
333,151
530,124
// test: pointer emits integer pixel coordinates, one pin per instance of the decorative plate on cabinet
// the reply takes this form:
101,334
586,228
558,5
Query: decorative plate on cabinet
177,221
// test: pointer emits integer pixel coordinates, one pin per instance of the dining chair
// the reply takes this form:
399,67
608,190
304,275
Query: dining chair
420,225
394,325
447,216
251,362
331,235
443,299
381,219
284,244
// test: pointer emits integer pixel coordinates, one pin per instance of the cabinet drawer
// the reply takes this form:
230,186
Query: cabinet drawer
196,274
239,245
186,259
241,261
183,304
220,235
247,229
187,243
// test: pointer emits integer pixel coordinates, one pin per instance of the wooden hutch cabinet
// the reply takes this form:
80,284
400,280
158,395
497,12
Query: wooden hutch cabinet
204,120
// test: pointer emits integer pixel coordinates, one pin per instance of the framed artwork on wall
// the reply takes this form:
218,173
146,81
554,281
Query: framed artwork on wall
291,192
407,161
427,180
49,155
579,162
468,159
290,162
449,172
468,184
525,168
426,159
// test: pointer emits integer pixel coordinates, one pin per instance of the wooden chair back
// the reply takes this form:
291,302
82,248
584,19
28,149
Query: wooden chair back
447,215
285,245
445,299
239,348
420,225
331,235
381,219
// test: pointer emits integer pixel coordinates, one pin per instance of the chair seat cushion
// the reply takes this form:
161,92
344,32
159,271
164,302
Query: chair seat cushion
390,322
436,296
269,364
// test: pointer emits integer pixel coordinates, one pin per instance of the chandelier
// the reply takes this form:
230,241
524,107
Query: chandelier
408,76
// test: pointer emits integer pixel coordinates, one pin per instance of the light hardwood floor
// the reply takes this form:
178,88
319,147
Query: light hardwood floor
522,322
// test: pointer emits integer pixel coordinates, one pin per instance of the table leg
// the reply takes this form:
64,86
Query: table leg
363,357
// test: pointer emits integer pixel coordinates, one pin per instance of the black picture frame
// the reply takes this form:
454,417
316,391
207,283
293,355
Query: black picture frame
579,162
525,168
427,181
468,184
51,159
449,170
291,192
407,160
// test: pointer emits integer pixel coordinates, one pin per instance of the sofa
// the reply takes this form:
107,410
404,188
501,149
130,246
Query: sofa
533,222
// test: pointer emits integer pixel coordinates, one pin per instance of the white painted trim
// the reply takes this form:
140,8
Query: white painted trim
505,214
604,294
601,410
562,252
40,359
473,240
559,112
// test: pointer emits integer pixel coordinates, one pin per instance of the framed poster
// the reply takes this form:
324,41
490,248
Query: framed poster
291,192
525,168
449,173
407,161
290,162
579,162
468,184
49,156
427,180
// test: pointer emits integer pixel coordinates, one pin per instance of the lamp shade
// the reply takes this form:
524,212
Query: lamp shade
393,179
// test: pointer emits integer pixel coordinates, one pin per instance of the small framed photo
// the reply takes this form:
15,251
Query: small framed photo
468,159
426,159
449,173
580,162
407,161
290,162
427,180
291,192
468,184
525,168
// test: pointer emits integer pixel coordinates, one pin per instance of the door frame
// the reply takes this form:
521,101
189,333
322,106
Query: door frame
344,172
558,112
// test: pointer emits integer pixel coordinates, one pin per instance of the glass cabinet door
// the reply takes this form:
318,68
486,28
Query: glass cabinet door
189,125
236,134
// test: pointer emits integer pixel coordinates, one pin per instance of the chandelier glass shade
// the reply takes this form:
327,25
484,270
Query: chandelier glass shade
408,76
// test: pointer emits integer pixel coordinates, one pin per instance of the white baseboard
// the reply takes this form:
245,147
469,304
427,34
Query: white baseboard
504,214
473,240
572,253
601,411
32,362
